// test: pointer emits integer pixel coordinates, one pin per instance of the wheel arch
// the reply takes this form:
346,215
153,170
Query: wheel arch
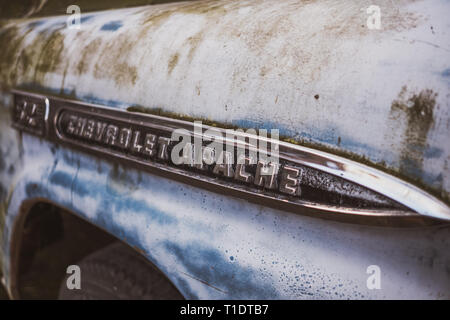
17,239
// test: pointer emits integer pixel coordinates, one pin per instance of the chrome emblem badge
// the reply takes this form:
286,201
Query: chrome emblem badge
300,179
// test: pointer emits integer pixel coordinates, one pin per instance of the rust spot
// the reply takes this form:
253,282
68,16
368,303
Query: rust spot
122,73
113,64
417,111
10,41
263,71
172,63
88,53
211,7
50,56
194,41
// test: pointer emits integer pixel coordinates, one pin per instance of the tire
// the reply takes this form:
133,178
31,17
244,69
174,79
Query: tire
117,272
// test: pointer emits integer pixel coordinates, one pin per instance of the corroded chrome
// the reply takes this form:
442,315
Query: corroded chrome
30,114
304,180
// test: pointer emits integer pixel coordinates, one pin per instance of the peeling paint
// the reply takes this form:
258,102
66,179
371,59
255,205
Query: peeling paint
264,67
418,112
172,63
205,244
330,84
446,73
112,26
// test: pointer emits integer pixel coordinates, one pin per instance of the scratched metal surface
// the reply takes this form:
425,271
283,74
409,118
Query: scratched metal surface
381,94
213,246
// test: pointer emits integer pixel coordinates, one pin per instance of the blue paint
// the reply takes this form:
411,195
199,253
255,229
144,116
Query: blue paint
198,261
97,189
35,24
198,258
446,73
326,137
112,26
252,124
138,206
433,152
36,190
103,102
61,178
211,266
86,18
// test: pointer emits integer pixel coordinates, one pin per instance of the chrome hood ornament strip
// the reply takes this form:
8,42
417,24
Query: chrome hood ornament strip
305,180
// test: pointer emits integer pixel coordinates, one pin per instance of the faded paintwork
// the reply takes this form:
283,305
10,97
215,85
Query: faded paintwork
214,246
311,69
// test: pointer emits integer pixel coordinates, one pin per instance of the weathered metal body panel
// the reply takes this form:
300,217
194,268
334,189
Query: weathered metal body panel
214,246
311,69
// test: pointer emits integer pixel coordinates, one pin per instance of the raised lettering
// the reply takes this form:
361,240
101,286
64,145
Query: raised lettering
149,144
289,183
163,146
124,138
266,175
111,134
225,167
240,173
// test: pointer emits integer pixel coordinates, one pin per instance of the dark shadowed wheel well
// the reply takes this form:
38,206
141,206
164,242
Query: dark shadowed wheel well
52,238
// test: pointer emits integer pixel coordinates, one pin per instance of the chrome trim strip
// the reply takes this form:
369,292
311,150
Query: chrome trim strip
418,201
402,192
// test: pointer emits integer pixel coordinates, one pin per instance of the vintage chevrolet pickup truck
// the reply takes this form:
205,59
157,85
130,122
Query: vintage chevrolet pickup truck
247,149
